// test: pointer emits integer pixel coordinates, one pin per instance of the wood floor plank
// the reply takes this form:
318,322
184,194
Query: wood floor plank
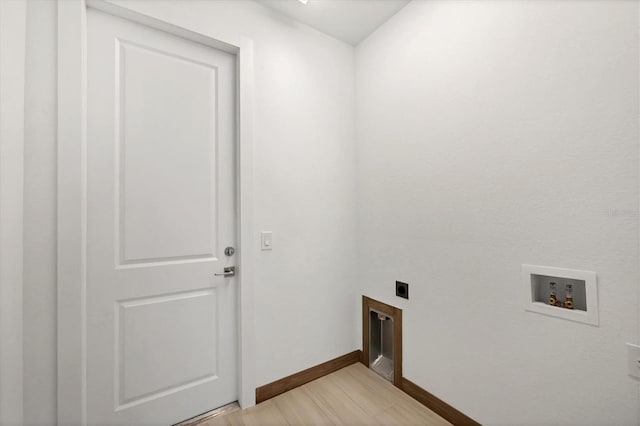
354,395
335,403
299,409
413,409
233,419
400,417
371,379
372,399
265,413
396,398
217,421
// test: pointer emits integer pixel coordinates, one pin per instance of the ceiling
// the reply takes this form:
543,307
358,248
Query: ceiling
348,20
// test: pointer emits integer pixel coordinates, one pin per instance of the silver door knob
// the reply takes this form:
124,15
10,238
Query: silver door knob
229,271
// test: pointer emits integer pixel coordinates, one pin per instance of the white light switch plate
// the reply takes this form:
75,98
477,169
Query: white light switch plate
633,368
266,240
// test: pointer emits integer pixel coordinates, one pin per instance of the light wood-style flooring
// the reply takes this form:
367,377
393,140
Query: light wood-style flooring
353,395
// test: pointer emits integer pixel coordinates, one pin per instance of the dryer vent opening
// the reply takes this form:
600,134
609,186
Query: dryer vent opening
381,344
382,339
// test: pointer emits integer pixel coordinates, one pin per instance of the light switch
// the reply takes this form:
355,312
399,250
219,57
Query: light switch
633,352
266,240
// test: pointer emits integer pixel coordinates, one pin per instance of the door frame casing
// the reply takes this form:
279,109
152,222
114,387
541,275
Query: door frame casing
13,27
71,186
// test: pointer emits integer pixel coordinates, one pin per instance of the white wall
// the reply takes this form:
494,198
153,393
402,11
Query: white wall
491,134
304,184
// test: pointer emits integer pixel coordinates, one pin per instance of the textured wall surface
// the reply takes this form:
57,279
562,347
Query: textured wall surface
304,157
492,134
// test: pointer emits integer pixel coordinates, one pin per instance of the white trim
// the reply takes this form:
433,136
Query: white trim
71,206
246,338
71,219
12,75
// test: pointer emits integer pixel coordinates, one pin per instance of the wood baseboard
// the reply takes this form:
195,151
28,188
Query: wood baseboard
305,376
436,405
427,399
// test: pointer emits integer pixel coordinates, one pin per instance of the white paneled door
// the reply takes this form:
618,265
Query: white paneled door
160,325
